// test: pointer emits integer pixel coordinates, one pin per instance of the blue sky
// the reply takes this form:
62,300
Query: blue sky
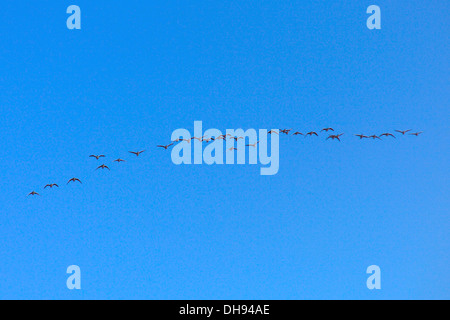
149,229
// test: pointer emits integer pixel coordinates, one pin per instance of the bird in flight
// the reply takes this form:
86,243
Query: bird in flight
178,140
335,136
387,134
221,137
237,138
119,160
327,129
361,136
252,145
96,157
375,137
311,133
73,180
137,153
285,131
231,149
32,193
103,167
273,131
51,185
165,147
416,133
403,131
297,133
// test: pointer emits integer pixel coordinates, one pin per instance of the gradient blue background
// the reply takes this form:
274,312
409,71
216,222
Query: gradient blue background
150,229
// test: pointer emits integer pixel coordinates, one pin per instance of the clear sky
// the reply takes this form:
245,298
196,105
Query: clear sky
148,229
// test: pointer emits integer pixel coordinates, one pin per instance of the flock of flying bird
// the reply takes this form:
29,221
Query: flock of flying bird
229,136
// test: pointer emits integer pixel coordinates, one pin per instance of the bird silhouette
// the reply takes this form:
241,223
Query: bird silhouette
73,180
165,147
361,136
32,193
103,167
416,133
285,131
335,136
403,131
387,134
119,160
273,131
96,157
51,185
231,149
311,133
137,153
237,138
178,140
297,133
327,129
252,145
375,137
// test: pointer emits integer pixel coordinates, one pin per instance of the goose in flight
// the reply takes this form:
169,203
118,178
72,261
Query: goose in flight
252,145
32,193
335,136
297,133
165,147
311,133
187,140
73,180
96,157
387,134
403,131
137,153
119,160
327,129
222,137
416,133
103,167
51,185
361,136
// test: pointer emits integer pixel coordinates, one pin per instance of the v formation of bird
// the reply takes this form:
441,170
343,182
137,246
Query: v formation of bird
228,136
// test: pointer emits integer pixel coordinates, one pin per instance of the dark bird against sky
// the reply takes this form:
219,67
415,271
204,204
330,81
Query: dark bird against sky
96,157
51,185
137,153
74,180
387,134
403,131
165,147
103,167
